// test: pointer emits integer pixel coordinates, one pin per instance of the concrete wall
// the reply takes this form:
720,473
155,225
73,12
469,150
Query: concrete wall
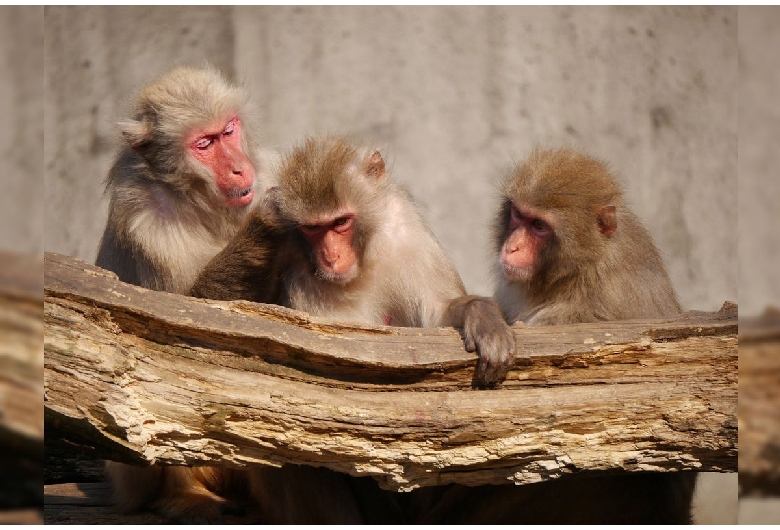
21,135
759,159
455,94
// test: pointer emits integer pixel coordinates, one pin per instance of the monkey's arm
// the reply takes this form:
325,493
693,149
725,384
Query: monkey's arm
486,332
250,267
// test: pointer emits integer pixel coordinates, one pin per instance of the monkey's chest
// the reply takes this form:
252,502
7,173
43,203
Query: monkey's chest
343,305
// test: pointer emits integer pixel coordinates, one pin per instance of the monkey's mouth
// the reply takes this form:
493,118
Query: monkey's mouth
240,196
237,194
337,278
515,273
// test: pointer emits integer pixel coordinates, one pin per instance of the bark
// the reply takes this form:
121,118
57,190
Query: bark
759,405
150,377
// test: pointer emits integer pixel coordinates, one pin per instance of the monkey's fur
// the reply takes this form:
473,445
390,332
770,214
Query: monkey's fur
583,273
166,218
404,277
166,221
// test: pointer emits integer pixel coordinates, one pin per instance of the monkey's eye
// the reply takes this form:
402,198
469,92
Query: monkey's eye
342,223
231,126
515,214
310,228
539,226
203,143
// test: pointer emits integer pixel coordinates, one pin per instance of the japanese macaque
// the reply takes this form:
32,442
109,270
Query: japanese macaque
341,240
353,247
180,188
183,183
569,250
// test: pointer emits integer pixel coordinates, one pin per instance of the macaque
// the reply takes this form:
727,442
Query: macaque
340,239
349,244
184,182
181,187
569,250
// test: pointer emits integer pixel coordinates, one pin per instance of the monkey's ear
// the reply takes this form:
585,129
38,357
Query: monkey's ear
607,219
136,133
375,165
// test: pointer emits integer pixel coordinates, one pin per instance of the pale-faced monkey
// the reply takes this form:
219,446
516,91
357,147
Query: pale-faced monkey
183,183
569,250
180,188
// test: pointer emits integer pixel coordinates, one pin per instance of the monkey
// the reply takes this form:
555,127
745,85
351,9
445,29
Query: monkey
341,239
183,183
188,175
568,250
345,241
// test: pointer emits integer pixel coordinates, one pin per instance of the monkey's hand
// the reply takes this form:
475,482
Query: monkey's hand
486,332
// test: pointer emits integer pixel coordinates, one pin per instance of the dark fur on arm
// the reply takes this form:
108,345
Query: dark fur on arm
486,332
250,267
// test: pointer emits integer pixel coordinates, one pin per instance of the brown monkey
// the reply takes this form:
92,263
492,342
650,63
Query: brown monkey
179,190
343,241
355,249
569,250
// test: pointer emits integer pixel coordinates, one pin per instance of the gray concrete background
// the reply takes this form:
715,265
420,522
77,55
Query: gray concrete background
455,94
759,159
21,135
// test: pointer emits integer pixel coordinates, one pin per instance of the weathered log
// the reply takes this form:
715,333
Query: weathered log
759,405
21,380
151,377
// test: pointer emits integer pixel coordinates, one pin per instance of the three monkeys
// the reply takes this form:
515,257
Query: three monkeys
196,210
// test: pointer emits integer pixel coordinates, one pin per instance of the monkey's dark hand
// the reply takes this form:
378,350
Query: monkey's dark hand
486,332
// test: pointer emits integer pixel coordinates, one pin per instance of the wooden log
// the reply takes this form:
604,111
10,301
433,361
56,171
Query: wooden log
21,382
151,377
759,404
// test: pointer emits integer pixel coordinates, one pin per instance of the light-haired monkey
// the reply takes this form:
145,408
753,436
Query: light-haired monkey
354,248
569,250
346,242
180,188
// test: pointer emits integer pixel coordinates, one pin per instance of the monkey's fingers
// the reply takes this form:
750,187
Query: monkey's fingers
496,350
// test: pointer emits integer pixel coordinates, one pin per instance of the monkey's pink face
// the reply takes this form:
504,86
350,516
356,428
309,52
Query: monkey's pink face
218,147
528,233
331,242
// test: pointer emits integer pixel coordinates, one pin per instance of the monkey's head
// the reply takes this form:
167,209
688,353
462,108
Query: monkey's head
558,213
326,189
189,130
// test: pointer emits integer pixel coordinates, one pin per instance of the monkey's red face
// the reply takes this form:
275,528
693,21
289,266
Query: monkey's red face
218,147
528,233
331,242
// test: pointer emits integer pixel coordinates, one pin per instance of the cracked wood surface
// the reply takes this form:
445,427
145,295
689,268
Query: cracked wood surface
150,377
